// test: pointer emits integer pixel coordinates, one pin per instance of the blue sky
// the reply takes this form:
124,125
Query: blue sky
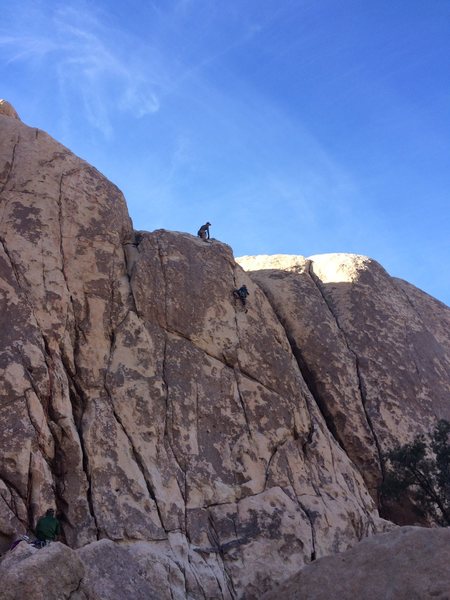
296,127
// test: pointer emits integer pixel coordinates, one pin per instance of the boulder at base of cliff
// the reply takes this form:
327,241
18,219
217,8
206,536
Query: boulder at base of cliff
140,571
52,573
410,563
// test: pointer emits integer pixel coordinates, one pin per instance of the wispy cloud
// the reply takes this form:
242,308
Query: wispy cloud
94,64
102,69
25,47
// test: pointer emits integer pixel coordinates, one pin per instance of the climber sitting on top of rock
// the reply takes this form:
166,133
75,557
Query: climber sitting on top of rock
203,232
47,527
241,294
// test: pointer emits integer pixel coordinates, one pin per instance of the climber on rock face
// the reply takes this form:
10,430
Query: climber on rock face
241,294
47,527
203,232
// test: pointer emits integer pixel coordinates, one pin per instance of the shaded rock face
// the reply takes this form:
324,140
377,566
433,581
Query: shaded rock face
374,350
411,562
178,435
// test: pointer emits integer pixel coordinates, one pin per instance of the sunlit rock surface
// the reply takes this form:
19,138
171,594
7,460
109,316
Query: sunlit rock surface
374,350
179,436
7,109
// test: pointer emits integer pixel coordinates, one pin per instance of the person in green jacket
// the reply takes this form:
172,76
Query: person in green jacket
47,527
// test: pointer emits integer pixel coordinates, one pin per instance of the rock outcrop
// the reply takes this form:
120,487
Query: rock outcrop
411,562
7,109
374,350
208,450
54,573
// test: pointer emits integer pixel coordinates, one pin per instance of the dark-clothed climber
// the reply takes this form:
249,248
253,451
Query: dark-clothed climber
241,294
203,232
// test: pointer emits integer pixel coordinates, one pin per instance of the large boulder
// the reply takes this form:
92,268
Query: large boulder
52,573
374,350
169,570
410,563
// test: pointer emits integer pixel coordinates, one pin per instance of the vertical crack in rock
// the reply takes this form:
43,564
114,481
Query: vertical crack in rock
29,492
308,440
33,422
27,371
169,573
212,571
12,503
295,434
307,376
167,436
139,462
238,337
45,401
78,402
316,488
87,472
61,242
272,456
361,389
214,538
311,384
238,369
57,463
242,402
10,166
166,387
306,511
167,429
61,237
167,433
183,572
193,571
134,451
130,263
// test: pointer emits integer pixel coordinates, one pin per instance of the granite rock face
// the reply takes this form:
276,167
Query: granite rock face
53,573
179,437
409,563
374,350
7,109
